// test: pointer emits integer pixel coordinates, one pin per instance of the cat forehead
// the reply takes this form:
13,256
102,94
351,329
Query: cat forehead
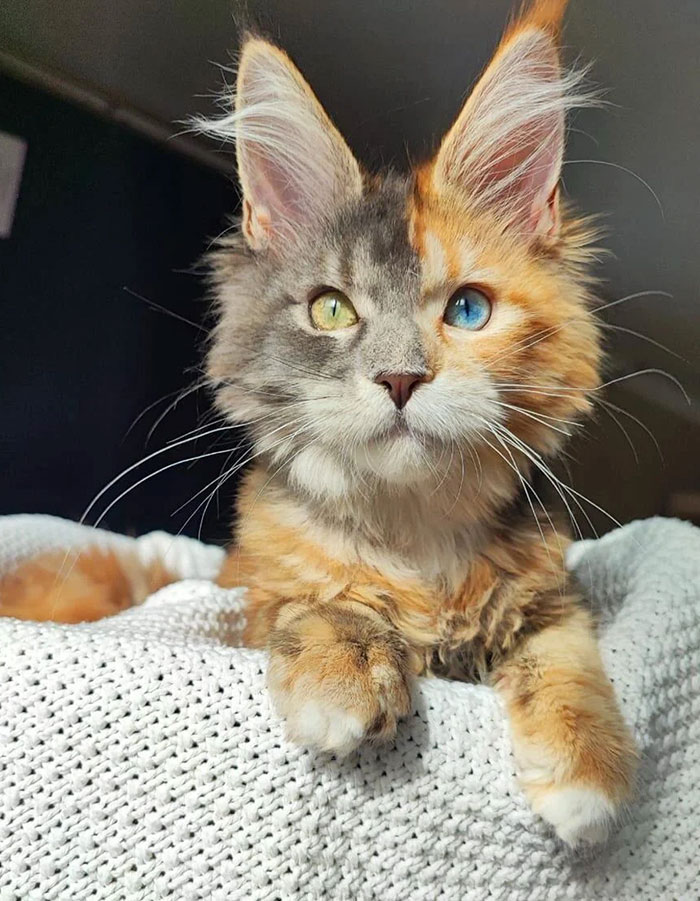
370,244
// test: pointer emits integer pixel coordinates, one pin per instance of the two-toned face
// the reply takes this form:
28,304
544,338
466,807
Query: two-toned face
387,344
392,329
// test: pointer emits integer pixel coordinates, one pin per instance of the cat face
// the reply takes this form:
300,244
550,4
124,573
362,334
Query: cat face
391,328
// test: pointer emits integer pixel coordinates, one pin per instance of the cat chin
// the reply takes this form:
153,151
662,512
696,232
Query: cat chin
398,461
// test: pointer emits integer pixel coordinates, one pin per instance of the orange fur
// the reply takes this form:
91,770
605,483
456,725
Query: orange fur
78,587
563,712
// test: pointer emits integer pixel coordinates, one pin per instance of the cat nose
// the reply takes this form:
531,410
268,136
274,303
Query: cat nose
400,385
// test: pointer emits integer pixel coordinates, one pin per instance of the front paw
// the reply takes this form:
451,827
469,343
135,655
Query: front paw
339,675
579,814
581,810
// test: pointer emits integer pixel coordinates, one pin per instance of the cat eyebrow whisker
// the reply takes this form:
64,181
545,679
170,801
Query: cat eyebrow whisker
636,296
629,331
628,172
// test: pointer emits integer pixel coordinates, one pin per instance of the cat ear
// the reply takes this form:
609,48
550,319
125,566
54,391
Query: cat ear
505,149
293,164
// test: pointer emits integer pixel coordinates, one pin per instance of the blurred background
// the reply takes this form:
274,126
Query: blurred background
106,207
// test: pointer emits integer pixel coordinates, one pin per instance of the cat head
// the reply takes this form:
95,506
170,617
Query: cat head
373,326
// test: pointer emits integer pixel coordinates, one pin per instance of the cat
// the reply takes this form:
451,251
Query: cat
406,352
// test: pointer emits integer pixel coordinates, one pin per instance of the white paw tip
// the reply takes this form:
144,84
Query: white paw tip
326,728
579,815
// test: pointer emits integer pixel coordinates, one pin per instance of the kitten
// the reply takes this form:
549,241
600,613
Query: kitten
407,352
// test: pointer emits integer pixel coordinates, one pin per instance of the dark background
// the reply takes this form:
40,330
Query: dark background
109,200
101,210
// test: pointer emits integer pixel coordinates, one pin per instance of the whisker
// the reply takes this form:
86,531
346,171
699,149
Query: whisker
623,430
636,296
649,371
532,456
537,459
538,337
161,309
247,460
540,417
154,404
630,331
563,390
527,488
152,475
284,462
181,396
642,425
138,463
626,170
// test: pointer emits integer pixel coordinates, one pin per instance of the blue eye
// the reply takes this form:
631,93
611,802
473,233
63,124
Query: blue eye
468,308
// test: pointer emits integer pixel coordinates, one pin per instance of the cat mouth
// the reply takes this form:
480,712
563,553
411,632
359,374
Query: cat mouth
399,428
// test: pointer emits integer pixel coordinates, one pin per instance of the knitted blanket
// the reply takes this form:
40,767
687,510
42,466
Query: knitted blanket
140,758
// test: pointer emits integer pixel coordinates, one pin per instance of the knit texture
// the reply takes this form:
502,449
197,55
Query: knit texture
140,758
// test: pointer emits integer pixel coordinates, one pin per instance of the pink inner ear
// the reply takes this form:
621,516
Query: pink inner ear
524,172
277,195
293,164
506,147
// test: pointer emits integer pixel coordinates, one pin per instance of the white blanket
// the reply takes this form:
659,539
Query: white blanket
140,759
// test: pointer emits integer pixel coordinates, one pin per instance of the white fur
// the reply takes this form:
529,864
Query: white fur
318,472
324,727
578,814
507,145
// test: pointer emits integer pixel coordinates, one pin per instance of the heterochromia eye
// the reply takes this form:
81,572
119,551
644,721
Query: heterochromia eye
332,310
468,308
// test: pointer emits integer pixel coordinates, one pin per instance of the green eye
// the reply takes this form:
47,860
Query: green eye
332,310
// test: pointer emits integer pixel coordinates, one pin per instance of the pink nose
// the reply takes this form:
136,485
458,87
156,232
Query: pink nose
400,385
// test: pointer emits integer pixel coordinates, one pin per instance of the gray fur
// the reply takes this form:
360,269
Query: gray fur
258,344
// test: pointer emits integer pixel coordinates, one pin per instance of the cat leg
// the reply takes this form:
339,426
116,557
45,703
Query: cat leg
339,674
574,754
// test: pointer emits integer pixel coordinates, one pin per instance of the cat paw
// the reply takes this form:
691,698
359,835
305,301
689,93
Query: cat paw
338,682
580,812
324,726
579,815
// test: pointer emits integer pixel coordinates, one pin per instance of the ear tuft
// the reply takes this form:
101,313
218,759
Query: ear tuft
545,14
293,164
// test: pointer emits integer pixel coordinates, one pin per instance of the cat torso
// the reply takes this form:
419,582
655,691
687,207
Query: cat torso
461,589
